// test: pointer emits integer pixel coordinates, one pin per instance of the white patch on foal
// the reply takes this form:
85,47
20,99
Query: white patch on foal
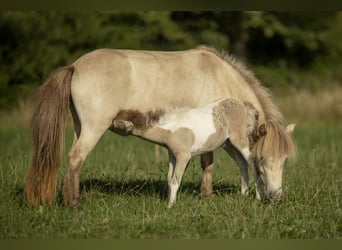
192,119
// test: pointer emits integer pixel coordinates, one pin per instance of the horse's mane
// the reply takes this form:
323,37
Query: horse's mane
271,111
276,138
277,141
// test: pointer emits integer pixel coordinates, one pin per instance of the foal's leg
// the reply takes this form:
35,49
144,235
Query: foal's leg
172,166
78,153
207,165
243,165
177,165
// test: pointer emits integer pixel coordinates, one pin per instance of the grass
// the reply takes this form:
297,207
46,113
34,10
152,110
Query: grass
122,194
123,186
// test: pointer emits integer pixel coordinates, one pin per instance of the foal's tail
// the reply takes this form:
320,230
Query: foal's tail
48,125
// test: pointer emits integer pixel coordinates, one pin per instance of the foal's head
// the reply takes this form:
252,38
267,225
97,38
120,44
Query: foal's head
135,122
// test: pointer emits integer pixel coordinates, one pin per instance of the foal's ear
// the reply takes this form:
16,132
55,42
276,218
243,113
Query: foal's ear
290,128
262,130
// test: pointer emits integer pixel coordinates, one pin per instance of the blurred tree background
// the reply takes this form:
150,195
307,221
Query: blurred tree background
286,50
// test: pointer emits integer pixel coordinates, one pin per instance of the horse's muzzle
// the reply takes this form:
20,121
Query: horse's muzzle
274,196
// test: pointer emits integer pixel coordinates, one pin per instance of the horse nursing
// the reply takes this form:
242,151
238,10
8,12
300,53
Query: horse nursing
189,132
101,83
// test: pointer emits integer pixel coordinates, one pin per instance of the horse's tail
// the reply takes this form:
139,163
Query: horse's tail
48,127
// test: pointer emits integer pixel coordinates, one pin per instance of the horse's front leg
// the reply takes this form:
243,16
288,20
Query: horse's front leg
258,182
243,166
244,178
207,164
177,165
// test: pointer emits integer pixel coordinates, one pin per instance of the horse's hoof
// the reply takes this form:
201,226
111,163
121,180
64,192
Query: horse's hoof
73,206
208,194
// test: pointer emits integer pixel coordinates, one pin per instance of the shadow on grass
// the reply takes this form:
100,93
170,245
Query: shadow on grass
150,187
134,188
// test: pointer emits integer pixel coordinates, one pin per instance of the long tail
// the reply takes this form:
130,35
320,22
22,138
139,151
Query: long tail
48,128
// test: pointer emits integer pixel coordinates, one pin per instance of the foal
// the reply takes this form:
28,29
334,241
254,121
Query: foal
226,123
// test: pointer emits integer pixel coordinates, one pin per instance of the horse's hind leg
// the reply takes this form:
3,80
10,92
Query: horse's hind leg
78,153
207,165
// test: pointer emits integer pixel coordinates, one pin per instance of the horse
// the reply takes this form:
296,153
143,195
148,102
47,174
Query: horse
102,82
186,133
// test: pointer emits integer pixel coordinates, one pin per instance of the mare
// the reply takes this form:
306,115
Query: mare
101,83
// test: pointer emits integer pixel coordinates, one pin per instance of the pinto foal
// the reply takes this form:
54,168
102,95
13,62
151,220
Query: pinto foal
226,123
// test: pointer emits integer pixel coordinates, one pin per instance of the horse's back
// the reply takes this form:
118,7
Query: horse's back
135,79
107,80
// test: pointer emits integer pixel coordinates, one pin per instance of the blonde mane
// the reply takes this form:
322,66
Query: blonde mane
277,142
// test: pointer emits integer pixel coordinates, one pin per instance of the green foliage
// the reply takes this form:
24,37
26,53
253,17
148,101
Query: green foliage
35,43
297,38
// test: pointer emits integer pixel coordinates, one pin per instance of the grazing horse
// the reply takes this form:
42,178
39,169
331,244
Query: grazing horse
101,83
186,133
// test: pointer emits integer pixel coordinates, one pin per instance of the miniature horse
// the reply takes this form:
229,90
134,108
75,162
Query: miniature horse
99,84
226,123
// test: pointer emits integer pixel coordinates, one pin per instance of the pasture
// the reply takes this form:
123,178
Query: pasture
123,193
123,180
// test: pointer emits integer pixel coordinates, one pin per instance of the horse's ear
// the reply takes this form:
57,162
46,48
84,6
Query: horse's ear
262,130
290,128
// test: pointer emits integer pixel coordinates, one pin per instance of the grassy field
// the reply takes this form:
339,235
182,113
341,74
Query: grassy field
122,194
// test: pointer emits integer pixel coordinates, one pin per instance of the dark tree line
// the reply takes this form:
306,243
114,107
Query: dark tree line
32,44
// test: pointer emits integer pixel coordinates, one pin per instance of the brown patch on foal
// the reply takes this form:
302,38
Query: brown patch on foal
128,119
237,115
254,131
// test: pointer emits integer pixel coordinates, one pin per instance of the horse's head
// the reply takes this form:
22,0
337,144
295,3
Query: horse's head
270,153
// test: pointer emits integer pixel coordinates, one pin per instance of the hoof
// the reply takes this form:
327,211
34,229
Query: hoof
245,193
170,205
209,194
73,206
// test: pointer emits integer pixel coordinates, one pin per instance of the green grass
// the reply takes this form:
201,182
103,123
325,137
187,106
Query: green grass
122,194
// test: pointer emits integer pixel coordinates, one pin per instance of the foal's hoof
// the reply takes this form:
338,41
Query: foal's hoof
245,193
170,204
